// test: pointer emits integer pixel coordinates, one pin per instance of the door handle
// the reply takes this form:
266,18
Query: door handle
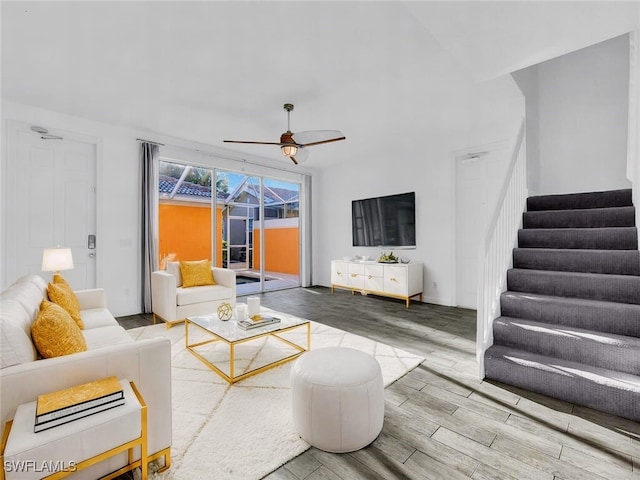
91,255
91,242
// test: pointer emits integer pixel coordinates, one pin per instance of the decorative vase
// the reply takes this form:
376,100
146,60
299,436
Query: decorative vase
241,311
253,306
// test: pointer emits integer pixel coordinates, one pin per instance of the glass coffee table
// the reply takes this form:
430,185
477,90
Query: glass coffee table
232,335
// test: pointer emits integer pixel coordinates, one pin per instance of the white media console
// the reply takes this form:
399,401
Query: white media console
397,280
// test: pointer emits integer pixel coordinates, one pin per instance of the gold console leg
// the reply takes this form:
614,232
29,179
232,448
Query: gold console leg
166,453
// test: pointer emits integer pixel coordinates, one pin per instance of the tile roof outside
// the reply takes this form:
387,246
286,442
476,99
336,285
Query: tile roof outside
166,185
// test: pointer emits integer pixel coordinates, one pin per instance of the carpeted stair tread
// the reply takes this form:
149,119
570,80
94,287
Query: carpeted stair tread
581,218
611,198
596,286
596,315
617,262
593,387
614,238
604,350
570,324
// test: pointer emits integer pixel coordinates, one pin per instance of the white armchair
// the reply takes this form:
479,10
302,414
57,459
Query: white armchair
172,303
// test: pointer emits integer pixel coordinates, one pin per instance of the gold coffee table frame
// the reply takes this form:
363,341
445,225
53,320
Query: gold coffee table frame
271,331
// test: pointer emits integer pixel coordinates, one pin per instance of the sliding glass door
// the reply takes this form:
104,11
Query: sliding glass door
281,233
247,200
240,205
248,223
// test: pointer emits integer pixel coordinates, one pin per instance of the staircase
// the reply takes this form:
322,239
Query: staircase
570,324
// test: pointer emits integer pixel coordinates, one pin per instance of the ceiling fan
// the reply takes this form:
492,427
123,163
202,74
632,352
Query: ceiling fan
294,145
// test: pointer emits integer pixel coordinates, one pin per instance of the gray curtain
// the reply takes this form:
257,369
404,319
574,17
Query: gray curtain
149,166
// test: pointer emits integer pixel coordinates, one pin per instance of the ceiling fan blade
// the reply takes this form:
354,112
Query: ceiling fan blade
324,141
298,141
301,155
317,137
256,143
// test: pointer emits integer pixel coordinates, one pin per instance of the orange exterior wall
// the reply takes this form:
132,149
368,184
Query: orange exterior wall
281,254
185,230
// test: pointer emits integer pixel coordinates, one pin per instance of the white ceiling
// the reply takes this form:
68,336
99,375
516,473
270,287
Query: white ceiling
208,71
490,39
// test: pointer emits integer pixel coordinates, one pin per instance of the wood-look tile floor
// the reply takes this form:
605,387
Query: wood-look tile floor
441,422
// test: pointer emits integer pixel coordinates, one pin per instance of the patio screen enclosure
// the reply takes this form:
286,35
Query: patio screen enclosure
230,227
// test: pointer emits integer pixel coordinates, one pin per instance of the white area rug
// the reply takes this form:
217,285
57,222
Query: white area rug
245,431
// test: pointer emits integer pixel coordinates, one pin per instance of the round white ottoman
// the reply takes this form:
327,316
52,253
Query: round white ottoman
338,398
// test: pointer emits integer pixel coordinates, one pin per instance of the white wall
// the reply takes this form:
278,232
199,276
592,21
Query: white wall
527,80
454,115
465,114
118,259
577,109
446,113
118,193
483,113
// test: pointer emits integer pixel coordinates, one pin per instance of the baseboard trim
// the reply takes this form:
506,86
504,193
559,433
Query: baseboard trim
447,302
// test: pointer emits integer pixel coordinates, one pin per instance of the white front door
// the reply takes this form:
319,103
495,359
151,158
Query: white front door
54,204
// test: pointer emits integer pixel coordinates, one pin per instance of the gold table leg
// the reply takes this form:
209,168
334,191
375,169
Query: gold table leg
232,378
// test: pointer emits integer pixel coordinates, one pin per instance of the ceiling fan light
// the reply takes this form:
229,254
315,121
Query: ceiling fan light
289,150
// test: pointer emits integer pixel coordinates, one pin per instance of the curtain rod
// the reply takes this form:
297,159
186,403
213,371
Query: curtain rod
238,158
149,141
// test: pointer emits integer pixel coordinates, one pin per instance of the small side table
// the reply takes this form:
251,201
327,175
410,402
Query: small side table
60,451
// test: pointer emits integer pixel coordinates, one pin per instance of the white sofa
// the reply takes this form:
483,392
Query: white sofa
110,351
173,303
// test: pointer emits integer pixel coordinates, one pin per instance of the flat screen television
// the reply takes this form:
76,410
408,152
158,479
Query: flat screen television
388,221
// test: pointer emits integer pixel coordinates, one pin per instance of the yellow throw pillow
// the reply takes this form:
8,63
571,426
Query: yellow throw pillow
59,280
60,292
55,333
196,273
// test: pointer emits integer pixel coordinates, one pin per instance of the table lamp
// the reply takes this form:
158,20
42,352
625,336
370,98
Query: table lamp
56,259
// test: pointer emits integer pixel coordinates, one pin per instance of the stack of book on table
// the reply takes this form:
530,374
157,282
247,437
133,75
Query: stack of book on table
257,321
63,406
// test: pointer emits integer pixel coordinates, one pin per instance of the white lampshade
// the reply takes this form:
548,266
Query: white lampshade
56,259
